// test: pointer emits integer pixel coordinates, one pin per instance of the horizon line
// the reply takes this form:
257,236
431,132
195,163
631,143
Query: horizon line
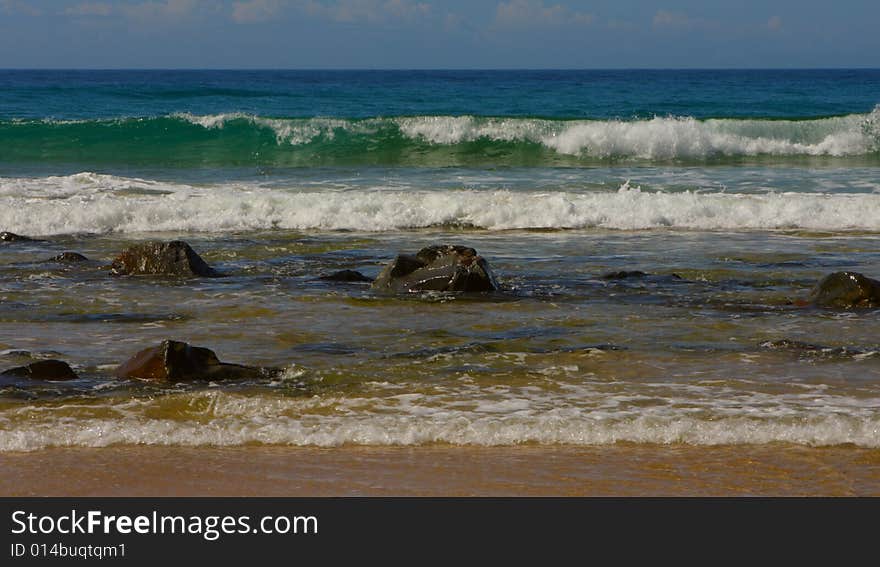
423,69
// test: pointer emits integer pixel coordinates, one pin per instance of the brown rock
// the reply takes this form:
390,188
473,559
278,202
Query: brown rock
174,361
174,258
43,370
846,290
438,268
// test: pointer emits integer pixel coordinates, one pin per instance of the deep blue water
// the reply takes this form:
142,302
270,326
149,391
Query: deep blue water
360,94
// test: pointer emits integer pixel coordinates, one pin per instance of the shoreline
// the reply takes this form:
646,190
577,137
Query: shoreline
540,470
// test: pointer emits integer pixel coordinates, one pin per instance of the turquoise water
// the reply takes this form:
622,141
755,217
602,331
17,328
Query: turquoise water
735,190
161,119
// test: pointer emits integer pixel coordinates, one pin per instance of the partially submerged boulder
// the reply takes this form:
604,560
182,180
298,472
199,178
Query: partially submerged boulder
438,268
346,276
846,290
53,370
625,275
174,361
67,258
637,275
175,258
12,237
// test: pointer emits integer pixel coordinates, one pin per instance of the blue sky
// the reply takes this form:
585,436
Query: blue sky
438,34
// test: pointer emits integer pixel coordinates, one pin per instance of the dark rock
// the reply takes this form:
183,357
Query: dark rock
636,274
788,344
12,237
623,274
174,361
346,276
174,258
846,290
813,350
438,268
43,370
67,258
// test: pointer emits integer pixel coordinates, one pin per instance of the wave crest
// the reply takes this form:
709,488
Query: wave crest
238,138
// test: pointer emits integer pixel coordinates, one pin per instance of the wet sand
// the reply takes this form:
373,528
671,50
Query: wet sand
613,470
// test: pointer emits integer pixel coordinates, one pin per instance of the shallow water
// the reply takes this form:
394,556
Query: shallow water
561,355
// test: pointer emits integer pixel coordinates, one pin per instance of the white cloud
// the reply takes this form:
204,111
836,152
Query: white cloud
164,9
251,11
89,9
528,13
372,11
19,7
676,20
668,19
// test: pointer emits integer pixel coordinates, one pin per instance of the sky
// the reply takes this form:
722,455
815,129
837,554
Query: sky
434,34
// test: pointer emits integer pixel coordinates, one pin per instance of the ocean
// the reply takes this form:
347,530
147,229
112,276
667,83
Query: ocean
734,192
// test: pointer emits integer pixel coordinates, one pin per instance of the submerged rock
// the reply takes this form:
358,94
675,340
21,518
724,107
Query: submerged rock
438,268
174,258
788,344
346,276
43,370
12,237
637,274
624,274
846,290
67,258
174,361
814,350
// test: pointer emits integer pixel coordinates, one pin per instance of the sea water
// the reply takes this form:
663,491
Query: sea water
734,191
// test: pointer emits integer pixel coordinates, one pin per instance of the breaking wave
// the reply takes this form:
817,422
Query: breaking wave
236,138
94,203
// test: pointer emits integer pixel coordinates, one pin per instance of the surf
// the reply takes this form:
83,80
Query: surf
102,204
234,139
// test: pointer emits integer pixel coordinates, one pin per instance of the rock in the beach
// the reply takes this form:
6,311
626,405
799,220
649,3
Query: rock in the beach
12,237
346,276
43,370
636,274
67,258
624,275
788,344
846,290
174,258
174,361
438,268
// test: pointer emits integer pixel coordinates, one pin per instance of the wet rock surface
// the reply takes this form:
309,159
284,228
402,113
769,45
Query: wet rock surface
846,290
52,370
438,268
175,258
67,258
12,237
637,275
349,276
174,361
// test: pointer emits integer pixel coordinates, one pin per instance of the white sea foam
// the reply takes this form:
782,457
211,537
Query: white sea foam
95,203
224,419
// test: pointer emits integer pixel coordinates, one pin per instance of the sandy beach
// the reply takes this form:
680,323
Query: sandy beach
618,470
